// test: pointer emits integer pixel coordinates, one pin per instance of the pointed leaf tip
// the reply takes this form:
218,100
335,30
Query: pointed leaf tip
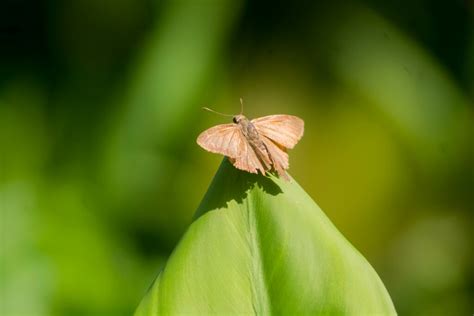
261,245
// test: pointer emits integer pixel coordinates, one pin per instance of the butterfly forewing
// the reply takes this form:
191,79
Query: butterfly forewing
285,130
225,139
228,140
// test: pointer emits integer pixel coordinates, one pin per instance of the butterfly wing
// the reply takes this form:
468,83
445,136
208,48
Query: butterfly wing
284,130
278,156
228,140
248,160
225,139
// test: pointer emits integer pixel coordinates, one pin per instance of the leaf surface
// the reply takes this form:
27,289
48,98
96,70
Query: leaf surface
261,245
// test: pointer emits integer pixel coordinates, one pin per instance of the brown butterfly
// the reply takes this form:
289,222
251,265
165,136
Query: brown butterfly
255,145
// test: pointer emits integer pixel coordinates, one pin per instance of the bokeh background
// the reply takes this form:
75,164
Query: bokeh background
100,106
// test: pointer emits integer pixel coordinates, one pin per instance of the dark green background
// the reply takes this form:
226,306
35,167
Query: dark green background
100,106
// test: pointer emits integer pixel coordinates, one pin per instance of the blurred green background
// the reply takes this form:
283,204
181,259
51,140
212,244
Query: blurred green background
100,106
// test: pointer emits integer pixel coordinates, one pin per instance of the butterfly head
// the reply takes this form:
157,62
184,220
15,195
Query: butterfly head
238,118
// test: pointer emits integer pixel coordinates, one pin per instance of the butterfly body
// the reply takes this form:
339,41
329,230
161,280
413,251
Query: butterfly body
255,145
251,134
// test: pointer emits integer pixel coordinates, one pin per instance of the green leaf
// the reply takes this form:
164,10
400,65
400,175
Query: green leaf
261,245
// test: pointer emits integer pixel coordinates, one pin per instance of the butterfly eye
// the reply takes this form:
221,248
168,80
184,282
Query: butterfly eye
234,119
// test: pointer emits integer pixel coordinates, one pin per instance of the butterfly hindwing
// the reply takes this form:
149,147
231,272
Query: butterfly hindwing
278,156
248,161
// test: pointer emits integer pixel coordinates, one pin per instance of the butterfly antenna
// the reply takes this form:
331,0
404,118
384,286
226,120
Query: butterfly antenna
210,110
241,106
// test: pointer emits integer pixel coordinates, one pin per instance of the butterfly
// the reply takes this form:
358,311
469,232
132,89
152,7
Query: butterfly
258,145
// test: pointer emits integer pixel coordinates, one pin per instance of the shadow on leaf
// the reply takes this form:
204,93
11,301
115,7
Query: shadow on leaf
230,184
